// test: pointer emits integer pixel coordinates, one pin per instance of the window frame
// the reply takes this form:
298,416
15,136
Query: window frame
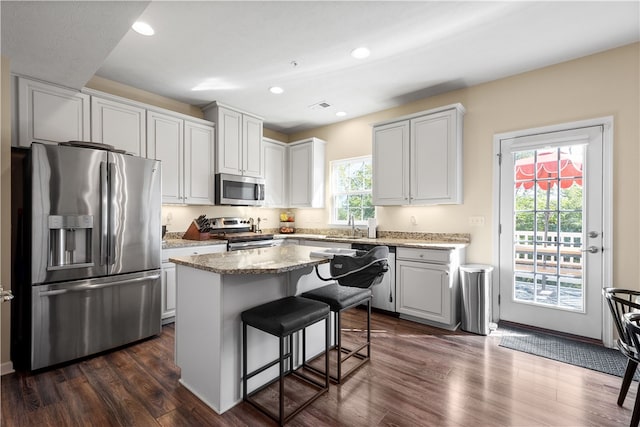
334,194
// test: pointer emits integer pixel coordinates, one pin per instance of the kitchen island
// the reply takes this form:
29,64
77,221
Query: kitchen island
212,291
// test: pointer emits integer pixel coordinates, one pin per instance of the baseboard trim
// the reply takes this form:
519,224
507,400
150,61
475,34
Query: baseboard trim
6,368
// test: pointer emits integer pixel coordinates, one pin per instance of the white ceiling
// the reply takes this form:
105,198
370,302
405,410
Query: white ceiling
419,48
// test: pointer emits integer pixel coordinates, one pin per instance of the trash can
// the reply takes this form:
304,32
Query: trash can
476,298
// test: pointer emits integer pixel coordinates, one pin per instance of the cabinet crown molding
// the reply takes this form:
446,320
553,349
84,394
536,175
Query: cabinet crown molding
458,106
216,104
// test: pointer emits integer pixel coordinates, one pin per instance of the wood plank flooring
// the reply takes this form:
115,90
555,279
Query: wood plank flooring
418,376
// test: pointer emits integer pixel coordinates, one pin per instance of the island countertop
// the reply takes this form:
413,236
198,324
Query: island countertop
272,260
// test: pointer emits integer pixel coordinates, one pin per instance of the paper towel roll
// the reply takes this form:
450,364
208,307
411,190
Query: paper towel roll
372,228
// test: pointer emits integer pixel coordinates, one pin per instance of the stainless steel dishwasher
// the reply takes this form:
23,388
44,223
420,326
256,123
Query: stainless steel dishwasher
384,293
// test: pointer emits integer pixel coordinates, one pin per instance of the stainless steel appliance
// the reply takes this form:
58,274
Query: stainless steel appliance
87,251
239,234
238,190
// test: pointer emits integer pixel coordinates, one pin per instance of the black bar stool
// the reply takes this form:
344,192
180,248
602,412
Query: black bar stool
283,318
355,276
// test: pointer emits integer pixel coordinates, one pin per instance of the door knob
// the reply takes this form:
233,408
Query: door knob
591,250
6,295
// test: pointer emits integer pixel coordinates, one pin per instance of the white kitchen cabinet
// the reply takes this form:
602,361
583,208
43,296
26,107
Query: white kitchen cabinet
276,184
166,143
238,141
390,159
199,163
120,124
169,274
168,283
427,286
417,159
306,173
49,113
186,149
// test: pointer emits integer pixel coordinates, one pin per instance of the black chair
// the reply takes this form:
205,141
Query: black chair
283,318
632,326
355,276
621,302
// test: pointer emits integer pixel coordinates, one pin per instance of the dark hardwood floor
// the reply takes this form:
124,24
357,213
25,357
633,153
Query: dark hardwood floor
418,376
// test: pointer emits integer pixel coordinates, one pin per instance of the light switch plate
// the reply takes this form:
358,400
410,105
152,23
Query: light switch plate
476,220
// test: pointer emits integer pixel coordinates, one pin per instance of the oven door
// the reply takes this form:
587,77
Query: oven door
254,244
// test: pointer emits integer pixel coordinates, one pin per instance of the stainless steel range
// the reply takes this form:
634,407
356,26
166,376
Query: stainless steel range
241,233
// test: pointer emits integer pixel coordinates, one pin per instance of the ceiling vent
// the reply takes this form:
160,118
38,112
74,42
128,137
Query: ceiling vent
320,105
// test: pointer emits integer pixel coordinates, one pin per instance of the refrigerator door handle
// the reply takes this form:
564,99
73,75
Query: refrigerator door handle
112,220
104,213
94,286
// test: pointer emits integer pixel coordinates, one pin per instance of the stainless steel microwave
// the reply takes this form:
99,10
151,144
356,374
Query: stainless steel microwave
239,190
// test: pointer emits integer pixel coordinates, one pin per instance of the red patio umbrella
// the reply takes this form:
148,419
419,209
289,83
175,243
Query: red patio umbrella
545,170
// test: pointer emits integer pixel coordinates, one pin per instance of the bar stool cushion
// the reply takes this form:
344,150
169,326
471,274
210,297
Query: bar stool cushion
285,316
339,297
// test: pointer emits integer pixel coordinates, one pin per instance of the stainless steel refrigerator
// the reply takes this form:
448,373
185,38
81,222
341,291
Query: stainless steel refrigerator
87,242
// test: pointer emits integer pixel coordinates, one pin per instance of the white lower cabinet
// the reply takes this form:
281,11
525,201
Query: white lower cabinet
168,291
427,286
169,275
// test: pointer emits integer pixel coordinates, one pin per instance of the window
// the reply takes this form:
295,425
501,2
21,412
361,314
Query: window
351,190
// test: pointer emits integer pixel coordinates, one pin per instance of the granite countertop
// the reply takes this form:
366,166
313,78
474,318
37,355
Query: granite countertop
443,241
386,241
173,243
272,260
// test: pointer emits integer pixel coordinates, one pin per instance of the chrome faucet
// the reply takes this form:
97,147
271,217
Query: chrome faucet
352,223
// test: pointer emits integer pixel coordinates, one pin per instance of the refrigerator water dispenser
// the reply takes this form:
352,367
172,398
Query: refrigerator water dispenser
70,241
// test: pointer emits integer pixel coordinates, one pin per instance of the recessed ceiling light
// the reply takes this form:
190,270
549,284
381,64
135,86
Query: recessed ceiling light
341,114
360,52
276,89
143,28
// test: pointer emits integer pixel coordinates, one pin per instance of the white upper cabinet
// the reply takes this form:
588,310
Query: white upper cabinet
49,113
166,143
417,159
306,169
252,146
239,141
390,157
119,124
199,156
276,185
186,150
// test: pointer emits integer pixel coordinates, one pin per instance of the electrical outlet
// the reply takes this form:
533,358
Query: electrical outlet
413,220
476,221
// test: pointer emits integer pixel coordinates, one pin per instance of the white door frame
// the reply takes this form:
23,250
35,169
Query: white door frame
607,213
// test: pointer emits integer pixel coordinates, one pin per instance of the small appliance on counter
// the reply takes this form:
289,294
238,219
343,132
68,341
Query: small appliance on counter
287,223
372,225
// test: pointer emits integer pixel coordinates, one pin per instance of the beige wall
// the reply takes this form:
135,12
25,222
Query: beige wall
5,204
605,84
130,92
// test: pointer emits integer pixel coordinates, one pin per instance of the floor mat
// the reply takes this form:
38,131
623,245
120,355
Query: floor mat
586,355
